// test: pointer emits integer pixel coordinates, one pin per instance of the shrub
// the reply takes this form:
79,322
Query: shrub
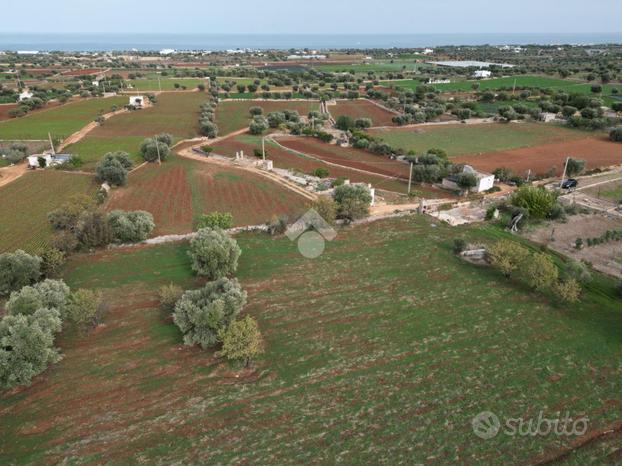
92,229
616,134
85,308
242,341
255,111
579,271
352,201
214,220
27,346
67,215
52,260
202,314
344,123
18,269
459,245
208,128
537,201
321,172
169,295
213,253
65,241
130,227
326,208
568,291
52,294
507,256
540,272
363,123
277,225
574,167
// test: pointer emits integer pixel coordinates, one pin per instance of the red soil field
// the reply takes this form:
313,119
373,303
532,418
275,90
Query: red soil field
347,156
596,151
180,190
289,160
362,109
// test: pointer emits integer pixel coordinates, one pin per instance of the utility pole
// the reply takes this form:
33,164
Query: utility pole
157,144
263,148
514,87
51,144
528,175
159,83
564,174
410,177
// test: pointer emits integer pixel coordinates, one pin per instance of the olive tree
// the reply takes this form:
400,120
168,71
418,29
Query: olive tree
27,346
213,253
130,227
203,314
352,201
507,256
152,148
111,170
18,269
258,125
52,294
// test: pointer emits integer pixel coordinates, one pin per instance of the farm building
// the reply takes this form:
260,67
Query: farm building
485,181
482,74
50,160
25,95
136,101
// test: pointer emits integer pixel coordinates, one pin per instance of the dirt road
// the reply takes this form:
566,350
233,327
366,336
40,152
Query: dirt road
8,174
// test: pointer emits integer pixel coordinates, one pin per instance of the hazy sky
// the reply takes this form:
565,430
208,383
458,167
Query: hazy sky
312,16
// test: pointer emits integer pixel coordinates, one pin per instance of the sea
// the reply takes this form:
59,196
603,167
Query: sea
92,42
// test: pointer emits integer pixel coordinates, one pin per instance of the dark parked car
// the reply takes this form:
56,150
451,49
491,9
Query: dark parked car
569,183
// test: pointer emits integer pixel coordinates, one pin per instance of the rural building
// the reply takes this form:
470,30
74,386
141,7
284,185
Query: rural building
136,101
485,181
50,160
482,74
427,51
26,94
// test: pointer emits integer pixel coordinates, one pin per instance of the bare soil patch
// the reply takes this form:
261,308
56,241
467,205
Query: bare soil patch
362,109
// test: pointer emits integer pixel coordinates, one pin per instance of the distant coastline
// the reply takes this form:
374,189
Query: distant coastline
92,42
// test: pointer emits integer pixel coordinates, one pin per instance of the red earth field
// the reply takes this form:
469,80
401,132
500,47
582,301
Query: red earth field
596,151
180,190
289,160
362,108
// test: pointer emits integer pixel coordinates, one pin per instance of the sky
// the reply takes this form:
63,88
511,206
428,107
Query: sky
311,16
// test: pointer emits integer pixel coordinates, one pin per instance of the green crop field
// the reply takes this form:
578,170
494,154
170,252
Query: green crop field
380,351
543,82
165,84
59,121
92,148
25,202
376,66
233,115
472,139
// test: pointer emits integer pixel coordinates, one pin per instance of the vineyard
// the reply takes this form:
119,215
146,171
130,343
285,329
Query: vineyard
27,201
180,190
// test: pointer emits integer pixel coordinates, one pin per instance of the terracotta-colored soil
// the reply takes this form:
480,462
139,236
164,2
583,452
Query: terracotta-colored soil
362,109
6,108
596,151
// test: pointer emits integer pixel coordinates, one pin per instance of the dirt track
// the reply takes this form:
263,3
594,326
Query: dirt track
12,173
596,151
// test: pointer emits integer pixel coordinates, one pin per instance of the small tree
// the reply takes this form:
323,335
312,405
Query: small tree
208,128
352,201
327,209
321,172
213,253
574,167
538,201
507,256
202,314
52,260
18,269
540,272
215,220
242,341
169,295
27,346
255,111
85,308
258,125
92,229
111,171
363,123
344,123
466,181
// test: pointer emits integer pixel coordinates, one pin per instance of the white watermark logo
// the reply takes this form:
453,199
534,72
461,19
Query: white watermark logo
486,425
311,232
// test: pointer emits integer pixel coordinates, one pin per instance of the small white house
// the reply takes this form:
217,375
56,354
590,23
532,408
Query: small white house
26,94
485,181
33,160
482,74
136,101
428,51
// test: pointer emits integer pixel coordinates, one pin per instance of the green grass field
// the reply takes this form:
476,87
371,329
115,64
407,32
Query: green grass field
472,139
233,115
25,202
542,82
60,121
380,351
165,84
92,148
376,66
